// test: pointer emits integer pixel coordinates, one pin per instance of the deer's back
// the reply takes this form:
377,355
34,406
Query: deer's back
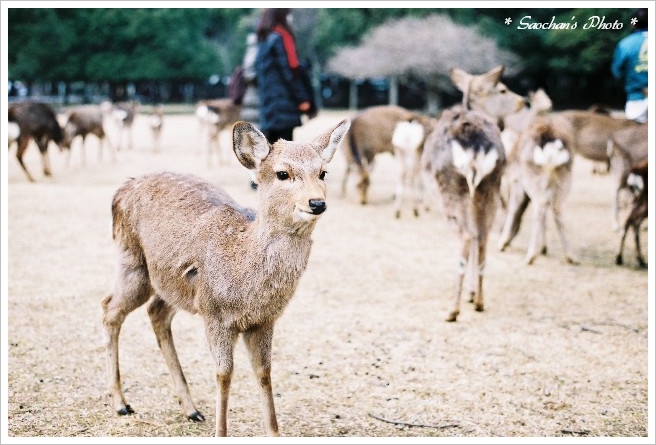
36,119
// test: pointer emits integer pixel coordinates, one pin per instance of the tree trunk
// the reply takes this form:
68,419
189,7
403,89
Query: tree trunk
353,95
394,91
433,102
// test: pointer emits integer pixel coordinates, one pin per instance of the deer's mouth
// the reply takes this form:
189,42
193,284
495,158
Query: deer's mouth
305,213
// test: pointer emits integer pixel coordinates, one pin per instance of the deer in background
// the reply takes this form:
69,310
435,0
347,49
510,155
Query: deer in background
638,213
36,121
626,147
122,114
539,103
541,164
186,244
216,115
371,135
588,133
465,158
155,122
408,140
83,121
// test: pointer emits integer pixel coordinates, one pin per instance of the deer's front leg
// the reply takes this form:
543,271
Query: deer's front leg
258,341
221,342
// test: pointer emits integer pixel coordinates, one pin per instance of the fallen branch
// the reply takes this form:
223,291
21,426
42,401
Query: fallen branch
420,425
581,432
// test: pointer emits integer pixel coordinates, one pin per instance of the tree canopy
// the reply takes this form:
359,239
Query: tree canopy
192,44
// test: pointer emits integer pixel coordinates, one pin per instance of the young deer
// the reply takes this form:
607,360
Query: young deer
188,245
463,162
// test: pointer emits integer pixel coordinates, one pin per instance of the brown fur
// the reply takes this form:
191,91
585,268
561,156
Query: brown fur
36,121
626,147
186,244
370,135
546,186
216,115
83,122
470,205
639,212
590,132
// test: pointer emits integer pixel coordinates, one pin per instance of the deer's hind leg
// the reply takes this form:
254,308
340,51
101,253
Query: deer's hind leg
462,269
161,314
132,289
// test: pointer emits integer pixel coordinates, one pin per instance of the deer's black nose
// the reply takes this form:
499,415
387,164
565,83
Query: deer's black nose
318,206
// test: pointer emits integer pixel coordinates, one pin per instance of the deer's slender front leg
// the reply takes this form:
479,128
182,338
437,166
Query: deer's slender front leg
221,342
258,341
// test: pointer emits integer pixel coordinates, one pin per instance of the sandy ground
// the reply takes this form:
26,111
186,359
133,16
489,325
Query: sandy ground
363,349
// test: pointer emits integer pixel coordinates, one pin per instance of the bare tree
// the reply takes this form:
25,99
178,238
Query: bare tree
425,48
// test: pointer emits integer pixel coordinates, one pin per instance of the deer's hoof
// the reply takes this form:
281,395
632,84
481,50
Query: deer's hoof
453,316
125,411
196,417
478,307
573,261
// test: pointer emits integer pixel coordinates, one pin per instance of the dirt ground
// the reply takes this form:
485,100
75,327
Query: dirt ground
362,351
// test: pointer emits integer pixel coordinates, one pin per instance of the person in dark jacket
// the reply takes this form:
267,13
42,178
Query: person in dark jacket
284,97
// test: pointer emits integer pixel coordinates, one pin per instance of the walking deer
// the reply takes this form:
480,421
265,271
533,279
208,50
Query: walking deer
463,161
541,162
186,244
83,121
36,121
638,213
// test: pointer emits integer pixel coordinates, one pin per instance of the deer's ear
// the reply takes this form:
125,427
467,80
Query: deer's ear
494,75
460,78
249,144
327,143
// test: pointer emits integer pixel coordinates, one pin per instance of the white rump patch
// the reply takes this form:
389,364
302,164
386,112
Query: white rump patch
155,121
462,159
474,169
212,117
485,163
552,155
201,111
13,131
635,181
120,114
408,135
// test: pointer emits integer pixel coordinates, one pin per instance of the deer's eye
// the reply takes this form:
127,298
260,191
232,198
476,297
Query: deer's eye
322,175
282,175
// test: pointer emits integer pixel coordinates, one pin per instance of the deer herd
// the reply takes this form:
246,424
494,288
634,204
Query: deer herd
195,248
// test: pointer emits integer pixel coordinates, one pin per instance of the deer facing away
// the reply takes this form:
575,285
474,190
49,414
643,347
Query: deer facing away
541,164
185,244
462,162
